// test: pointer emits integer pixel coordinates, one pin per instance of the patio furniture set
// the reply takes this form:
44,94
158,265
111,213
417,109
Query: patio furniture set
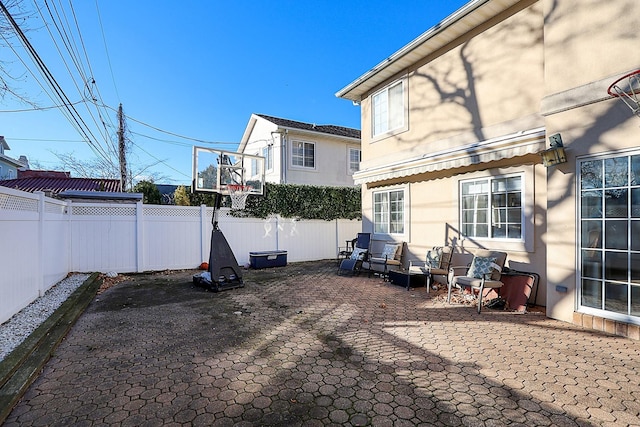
384,258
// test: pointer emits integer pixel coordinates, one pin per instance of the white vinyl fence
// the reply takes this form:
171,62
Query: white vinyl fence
44,239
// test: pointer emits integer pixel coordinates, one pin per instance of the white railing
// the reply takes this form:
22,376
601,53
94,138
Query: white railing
44,239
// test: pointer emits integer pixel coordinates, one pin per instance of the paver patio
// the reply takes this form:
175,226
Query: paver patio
301,346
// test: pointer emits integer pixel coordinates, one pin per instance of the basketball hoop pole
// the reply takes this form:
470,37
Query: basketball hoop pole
216,207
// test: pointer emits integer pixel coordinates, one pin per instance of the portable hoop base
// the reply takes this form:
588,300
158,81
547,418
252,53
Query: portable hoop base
224,269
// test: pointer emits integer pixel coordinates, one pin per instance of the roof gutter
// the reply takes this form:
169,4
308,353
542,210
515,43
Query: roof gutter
456,16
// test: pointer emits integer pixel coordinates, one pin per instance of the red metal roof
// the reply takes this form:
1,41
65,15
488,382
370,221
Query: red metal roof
54,186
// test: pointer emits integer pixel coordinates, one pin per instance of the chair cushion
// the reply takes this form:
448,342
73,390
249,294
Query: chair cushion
475,283
358,254
348,264
481,267
433,257
389,251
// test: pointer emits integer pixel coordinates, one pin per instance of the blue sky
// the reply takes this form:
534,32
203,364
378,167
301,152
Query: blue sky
197,69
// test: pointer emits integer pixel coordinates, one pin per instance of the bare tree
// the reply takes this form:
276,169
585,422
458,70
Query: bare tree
12,13
98,167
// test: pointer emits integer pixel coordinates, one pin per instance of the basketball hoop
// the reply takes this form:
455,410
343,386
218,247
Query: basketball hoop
627,88
238,194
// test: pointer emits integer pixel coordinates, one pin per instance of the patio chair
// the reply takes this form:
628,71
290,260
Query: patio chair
353,264
483,273
382,257
437,262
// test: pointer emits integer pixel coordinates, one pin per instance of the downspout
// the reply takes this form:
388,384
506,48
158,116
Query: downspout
285,164
283,153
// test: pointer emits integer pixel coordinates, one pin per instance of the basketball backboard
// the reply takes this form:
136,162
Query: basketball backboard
214,171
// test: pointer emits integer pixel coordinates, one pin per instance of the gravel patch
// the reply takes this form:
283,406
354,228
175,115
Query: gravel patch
23,323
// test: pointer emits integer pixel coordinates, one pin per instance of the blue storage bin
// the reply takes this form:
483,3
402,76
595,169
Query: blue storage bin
267,259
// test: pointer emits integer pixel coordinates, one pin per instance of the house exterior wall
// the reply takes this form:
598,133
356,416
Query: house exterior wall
586,49
261,136
331,154
488,86
7,170
543,65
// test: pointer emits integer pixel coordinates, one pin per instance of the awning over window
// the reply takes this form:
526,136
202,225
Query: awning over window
505,147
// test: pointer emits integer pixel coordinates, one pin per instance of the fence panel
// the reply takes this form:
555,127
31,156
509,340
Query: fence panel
55,247
103,237
20,267
246,235
171,237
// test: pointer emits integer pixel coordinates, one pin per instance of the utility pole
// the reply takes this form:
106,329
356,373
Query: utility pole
122,150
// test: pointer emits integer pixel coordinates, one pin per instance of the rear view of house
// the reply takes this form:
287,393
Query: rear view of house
453,126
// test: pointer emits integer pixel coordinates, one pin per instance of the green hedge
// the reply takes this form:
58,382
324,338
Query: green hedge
304,202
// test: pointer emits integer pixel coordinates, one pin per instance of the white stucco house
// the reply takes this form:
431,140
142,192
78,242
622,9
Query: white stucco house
303,153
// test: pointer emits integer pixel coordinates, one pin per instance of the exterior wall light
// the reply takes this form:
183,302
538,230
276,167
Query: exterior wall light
554,155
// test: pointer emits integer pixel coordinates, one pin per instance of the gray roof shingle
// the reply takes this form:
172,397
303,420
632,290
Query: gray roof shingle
328,129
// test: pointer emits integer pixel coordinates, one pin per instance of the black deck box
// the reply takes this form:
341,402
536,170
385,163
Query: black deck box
267,259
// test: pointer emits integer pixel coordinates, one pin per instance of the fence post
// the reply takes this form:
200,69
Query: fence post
204,256
139,237
40,263
278,232
68,210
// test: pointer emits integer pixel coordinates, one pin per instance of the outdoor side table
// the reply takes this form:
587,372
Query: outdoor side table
405,277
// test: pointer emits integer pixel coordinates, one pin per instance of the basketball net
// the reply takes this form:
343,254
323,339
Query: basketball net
238,194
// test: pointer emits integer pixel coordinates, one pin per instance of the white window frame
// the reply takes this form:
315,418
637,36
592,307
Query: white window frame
304,154
267,153
387,206
353,166
491,210
254,167
389,111
605,254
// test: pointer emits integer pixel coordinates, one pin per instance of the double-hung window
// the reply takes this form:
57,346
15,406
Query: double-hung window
354,160
388,212
267,153
492,208
303,154
388,107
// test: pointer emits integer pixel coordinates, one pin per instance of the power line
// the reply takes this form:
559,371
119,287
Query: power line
66,35
104,40
166,131
27,110
55,86
178,143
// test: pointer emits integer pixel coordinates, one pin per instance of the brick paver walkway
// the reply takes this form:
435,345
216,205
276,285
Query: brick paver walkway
300,346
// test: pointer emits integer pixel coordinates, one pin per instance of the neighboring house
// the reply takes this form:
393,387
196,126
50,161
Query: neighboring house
9,167
52,183
303,153
453,124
